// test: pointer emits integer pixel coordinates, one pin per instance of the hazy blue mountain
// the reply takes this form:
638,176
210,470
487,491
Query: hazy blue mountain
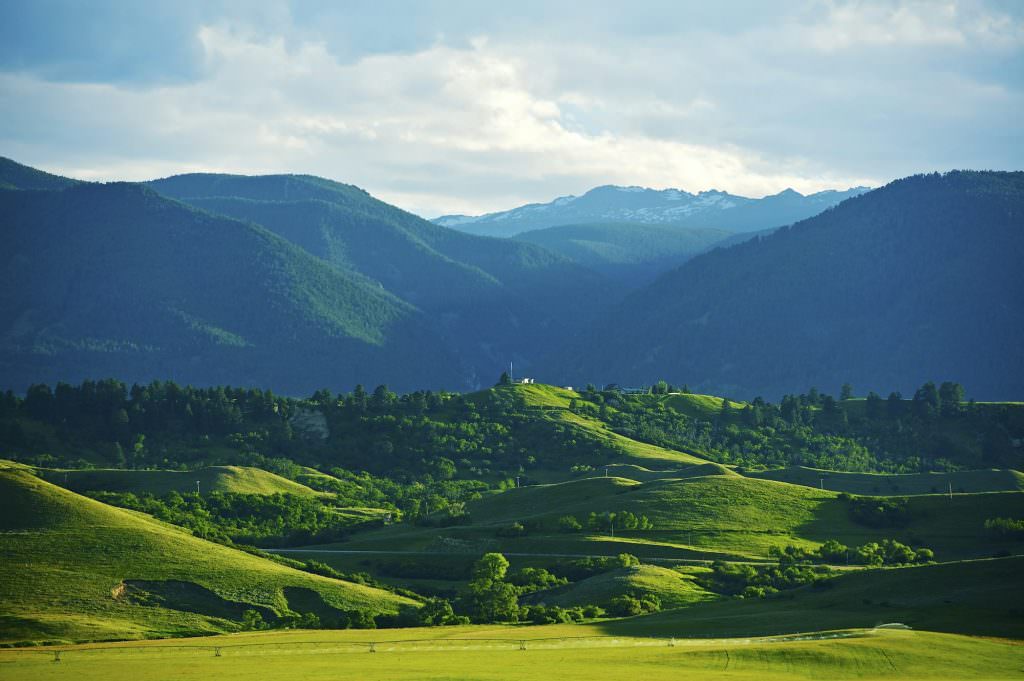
491,300
709,209
116,280
630,253
919,280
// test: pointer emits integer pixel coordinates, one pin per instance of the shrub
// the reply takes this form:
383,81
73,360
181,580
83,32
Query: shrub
569,523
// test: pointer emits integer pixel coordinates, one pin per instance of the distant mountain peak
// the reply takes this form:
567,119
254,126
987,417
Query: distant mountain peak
707,209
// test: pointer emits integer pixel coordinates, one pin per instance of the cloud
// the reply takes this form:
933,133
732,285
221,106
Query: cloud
493,115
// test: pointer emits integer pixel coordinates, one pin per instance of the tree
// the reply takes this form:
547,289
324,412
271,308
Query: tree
894,405
926,401
846,392
873,405
492,567
490,598
504,379
950,396
252,620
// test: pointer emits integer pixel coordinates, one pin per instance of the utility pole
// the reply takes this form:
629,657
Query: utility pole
951,490
821,483
517,482
197,487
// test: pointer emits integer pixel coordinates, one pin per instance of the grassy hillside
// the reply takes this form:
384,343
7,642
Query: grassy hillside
880,485
551,403
237,479
973,597
699,406
708,516
673,588
76,569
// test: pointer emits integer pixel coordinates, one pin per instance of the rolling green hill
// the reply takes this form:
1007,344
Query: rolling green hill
969,597
75,569
881,485
673,588
237,479
709,516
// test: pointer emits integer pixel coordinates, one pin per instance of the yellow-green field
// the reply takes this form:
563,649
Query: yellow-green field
562,652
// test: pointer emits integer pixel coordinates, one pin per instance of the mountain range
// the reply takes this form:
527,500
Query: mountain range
638,205
919,280
295,283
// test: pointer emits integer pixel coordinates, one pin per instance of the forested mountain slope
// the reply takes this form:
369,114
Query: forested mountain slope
117,280
917,280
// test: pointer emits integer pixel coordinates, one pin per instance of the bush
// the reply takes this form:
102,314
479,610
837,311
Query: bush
878,512
569,523
516,529
628,605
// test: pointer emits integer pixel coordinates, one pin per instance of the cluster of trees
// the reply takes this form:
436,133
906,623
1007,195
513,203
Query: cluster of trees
750,581
796,566
266,520
1005,528
872,554
878,511
815,429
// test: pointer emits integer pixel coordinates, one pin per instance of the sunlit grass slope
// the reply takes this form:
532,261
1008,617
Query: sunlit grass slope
238,479
916,483
552,402
980,597
673,588
69,565
711,516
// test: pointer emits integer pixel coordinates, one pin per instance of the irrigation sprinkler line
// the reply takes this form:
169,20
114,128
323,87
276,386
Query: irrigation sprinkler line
371,646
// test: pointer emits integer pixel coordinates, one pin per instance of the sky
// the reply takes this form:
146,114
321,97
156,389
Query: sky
470,107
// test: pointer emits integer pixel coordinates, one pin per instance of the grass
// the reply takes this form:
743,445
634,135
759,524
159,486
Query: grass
980,598
70,565
710,516
877,484
704,407
238,479
672,587
552,403
487,653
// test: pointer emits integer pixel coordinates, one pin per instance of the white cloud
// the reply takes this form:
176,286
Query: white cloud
505,120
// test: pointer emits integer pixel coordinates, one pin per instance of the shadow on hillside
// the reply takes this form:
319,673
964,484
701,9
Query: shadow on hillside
187,597
301,599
